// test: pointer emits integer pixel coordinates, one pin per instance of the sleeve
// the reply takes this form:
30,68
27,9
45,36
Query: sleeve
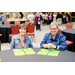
35,19
63,44
44,41
12,43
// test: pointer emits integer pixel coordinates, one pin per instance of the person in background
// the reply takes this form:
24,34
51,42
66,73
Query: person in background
14,15
21,40
59,18
21,15
54,15
38,21
46,18
67,18
30,17
43,17
3,18
53,39
7,15
64,18
50,18
40,13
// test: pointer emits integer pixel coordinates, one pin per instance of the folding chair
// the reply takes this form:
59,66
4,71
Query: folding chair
31,31
26,23
14,30
69,26
17,22
0,42
6,22
67,41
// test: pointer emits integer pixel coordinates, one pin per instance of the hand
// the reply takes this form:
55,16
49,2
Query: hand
50,45
45,45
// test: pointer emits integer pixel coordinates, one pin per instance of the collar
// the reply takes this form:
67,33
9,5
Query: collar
18,37
56,38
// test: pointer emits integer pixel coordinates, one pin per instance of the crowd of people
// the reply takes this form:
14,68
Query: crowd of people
46,18
4,17
41,18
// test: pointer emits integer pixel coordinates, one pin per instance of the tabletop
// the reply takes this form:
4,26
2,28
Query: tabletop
7,26
69,31
64,56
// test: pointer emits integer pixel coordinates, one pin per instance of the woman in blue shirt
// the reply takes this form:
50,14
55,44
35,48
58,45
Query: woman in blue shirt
3,18
21,40
54,39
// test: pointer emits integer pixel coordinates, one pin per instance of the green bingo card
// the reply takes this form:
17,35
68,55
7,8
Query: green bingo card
49,52
29,51
53,52
43,52
0,59
18,52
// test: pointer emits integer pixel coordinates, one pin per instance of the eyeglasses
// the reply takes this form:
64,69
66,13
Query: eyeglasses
53,28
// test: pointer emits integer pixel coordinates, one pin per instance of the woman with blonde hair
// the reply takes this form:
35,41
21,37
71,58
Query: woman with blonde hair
38,19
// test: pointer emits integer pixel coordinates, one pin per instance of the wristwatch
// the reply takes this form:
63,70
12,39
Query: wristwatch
56,47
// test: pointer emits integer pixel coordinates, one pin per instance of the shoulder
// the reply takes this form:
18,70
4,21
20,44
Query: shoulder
28,37
47,34
16,36
61,35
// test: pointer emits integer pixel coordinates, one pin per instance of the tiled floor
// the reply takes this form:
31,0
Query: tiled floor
38,36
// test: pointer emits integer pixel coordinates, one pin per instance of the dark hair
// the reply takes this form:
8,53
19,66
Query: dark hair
23,25
1,13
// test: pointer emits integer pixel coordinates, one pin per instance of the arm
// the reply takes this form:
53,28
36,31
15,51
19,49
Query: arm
44,41
63,44
12,43
36,19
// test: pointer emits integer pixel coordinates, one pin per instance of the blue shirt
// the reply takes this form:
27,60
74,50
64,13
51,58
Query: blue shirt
58,41
3,18
15,43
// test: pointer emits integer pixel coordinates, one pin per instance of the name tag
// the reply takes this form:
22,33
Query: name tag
38,22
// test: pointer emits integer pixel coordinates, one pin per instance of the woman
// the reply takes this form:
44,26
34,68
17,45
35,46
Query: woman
21,15
67,18
3,18
50,18
7,15
38,19
46,18
54,39
64,18
21,40
54,15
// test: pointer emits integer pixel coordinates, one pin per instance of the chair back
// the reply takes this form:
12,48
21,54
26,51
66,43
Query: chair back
6,22
60,31
17,22
15,29
31,28
68,26
26,23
